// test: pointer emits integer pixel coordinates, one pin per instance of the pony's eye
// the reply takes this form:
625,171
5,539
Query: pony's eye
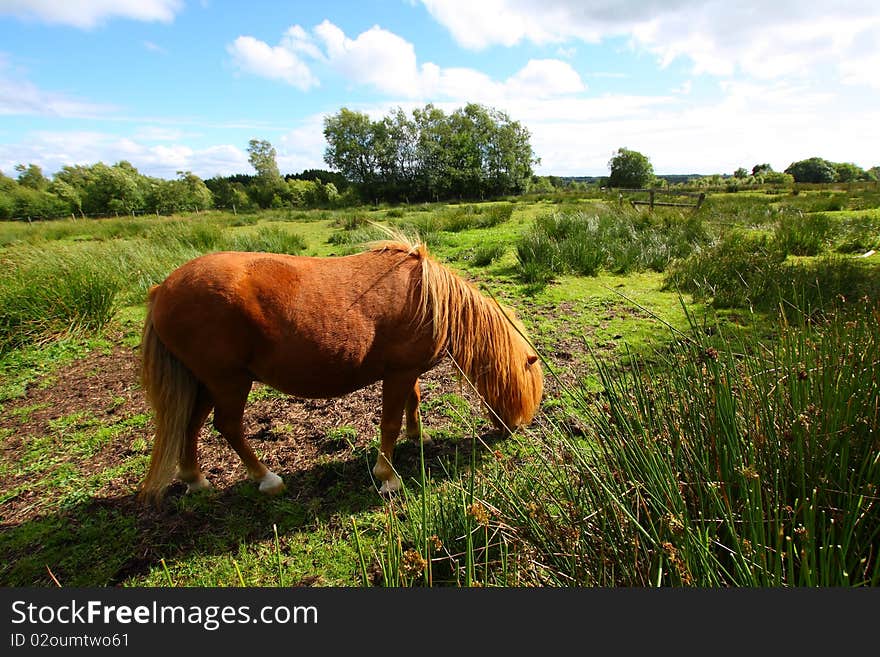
531,360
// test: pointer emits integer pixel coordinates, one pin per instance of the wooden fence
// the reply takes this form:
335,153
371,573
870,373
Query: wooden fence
652,201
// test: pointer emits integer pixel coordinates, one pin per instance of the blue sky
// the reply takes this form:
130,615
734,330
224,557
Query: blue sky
699,86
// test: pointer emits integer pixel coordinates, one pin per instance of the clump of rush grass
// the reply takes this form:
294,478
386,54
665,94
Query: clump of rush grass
740,464
802,234
618,240
270,239
722,463
748,270
455,219
486,254
199,235
45,294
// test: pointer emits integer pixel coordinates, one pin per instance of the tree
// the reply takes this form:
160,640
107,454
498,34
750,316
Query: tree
261,155
630,169
32,176
741,173
474,152
350,148
269,187
778,178
849,172
761,169
812,170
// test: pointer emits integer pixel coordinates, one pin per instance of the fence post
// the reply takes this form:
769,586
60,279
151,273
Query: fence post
651,192
233,210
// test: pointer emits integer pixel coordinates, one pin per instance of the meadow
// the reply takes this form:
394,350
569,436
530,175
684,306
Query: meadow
710,417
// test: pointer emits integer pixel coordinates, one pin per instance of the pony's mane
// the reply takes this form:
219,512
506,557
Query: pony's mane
484,339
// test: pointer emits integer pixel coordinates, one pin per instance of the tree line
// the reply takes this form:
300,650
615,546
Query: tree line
473,153
102,190
632,169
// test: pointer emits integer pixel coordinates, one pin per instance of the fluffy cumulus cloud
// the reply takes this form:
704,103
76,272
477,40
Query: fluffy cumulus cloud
388,63
90,13
766,40
276,63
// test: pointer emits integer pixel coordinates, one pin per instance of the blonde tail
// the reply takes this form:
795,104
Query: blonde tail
171,390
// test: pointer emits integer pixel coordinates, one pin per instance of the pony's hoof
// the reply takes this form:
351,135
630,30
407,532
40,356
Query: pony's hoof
198,485
424,435
271,484
390,486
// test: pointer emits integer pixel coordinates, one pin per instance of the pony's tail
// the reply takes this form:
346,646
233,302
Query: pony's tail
171,390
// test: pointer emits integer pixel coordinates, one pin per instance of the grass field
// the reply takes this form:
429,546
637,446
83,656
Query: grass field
710,414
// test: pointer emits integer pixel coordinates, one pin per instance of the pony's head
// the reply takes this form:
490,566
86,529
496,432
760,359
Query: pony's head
486,341
512,382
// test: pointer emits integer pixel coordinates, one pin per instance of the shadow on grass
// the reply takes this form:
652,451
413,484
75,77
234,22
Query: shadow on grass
106,541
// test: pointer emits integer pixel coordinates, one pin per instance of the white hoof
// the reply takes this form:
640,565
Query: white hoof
271,483
390,485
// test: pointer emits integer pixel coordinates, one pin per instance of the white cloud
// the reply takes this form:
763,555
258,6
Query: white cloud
53,150
90,13
764,40
546,77
388,63
750,123
276,63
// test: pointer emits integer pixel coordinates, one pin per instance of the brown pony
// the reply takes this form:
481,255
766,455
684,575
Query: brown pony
318,327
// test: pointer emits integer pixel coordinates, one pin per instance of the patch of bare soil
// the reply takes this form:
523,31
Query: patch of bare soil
290,435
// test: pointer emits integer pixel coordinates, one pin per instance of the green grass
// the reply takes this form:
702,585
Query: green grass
619,240
709,440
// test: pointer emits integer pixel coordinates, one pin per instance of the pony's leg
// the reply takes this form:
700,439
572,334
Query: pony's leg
228,413
413,417
188,470
396,392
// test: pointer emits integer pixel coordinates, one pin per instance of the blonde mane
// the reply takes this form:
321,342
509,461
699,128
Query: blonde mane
486,341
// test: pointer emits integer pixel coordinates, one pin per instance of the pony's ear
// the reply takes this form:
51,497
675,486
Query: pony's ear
531,360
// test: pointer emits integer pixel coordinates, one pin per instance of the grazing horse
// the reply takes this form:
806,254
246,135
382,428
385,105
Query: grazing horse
319,328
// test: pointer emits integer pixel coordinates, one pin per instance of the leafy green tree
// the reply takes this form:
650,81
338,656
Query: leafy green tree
474,152
350,147
116,188
434,134
741,173
261,155
873,173
186,193
268,187
67,193
849,172
778,178
31,176
812,170
761,169
630,169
